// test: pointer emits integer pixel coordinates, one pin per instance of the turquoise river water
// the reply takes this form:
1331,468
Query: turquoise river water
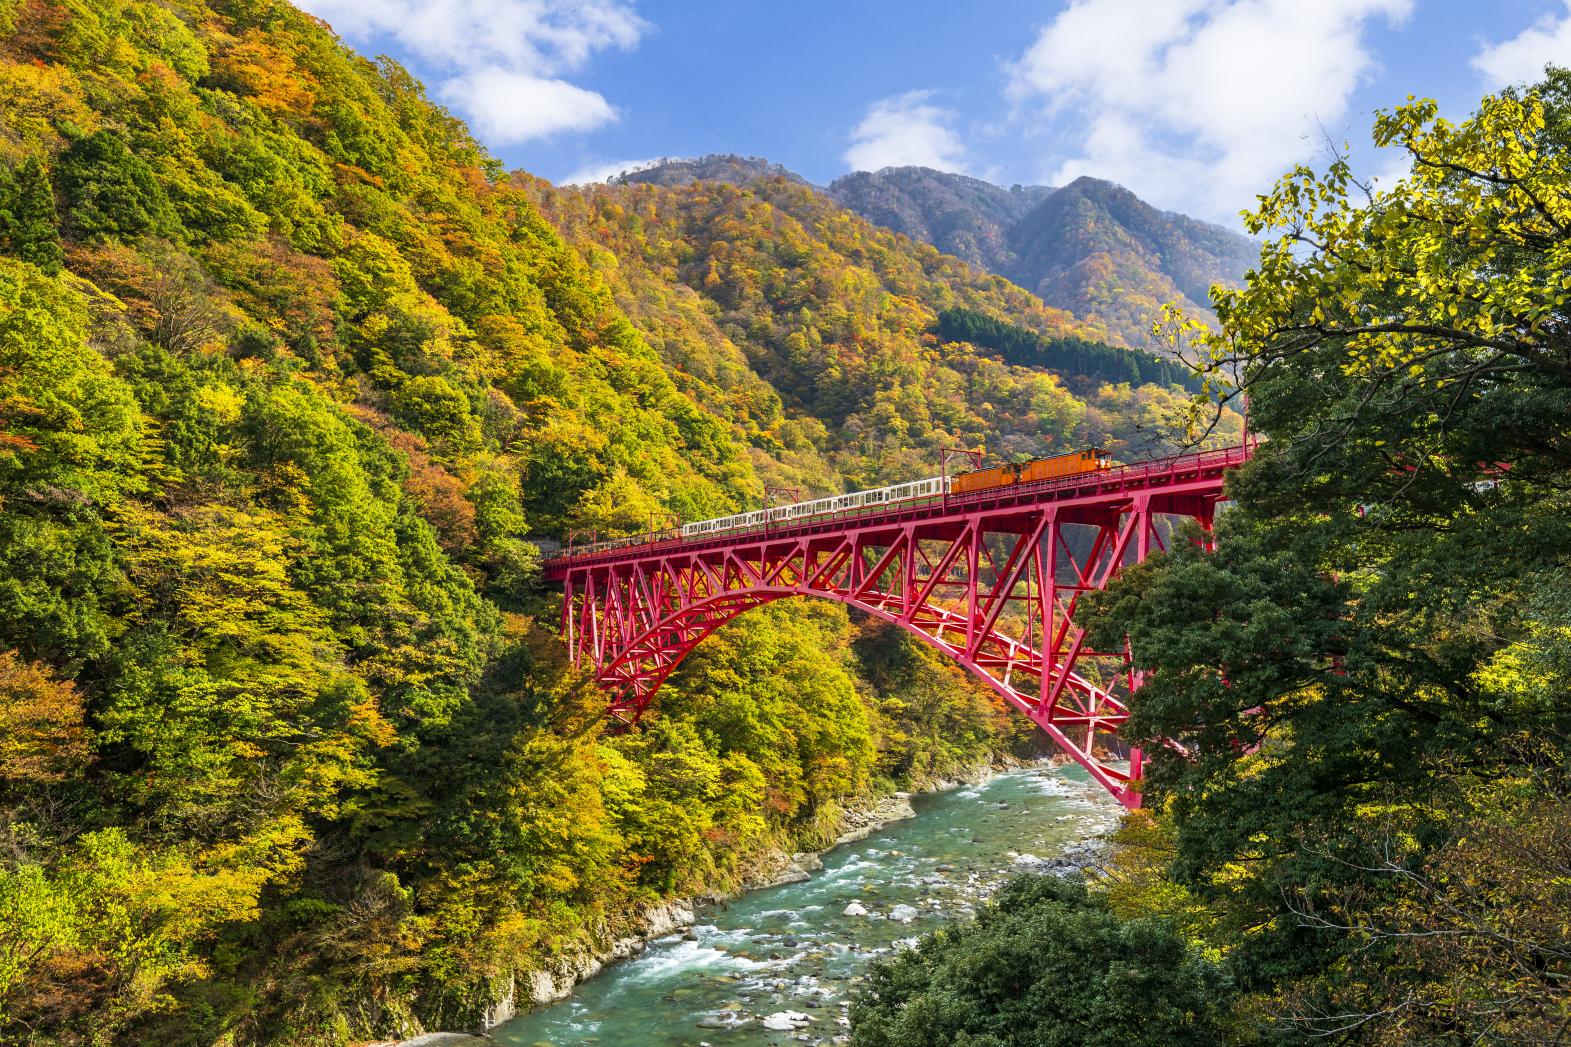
789,955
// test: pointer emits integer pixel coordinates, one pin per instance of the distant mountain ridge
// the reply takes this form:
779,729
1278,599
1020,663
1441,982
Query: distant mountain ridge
716,167
1092,247
957,214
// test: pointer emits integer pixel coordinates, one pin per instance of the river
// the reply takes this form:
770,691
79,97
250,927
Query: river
792,948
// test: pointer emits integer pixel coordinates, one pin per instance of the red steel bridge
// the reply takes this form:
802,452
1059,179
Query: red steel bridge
991,578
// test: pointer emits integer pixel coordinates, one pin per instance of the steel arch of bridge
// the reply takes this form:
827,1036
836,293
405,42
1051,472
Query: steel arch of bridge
992,579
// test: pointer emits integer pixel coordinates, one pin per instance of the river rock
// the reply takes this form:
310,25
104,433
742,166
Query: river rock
723,1020
902,914
860,824
856,908
793,868
786,1021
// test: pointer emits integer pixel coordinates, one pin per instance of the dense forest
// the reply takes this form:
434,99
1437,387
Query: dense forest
810,323
292,376
1092,249
1068,355
1363,833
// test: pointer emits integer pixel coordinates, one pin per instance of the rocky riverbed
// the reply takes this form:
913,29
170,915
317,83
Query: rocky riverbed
558,979
777,965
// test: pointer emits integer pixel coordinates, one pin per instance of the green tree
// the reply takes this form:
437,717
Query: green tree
1046,964
1381,635
30,225
110,192
435,407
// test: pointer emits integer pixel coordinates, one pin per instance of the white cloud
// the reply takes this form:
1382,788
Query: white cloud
1522,58
501,62
1196,104
906,131
507,107
593,174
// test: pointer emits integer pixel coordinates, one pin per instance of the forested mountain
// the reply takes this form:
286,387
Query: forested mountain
958,214
288,375
1092,248
817,333
717,167
291,373
1095,248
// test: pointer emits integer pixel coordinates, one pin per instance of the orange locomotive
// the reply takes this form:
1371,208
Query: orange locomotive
1088,461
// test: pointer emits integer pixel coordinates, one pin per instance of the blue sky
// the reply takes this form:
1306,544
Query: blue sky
1194,104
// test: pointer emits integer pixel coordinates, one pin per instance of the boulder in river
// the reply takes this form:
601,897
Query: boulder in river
786,1021
723,1020
856,908
902,914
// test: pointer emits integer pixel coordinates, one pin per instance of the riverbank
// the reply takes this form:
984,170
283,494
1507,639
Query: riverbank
793,953
557,979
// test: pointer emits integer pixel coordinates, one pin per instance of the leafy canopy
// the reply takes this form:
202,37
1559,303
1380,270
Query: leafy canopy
1372,664
1045,964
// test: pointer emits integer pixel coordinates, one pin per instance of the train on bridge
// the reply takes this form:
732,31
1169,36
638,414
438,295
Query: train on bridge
1056,467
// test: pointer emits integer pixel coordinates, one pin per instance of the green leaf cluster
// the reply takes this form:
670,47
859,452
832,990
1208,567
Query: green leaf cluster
1367,679
1045,963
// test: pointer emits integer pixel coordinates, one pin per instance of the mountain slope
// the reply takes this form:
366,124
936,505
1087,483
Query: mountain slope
962,216
290,374
1098,250
818,332
1092,248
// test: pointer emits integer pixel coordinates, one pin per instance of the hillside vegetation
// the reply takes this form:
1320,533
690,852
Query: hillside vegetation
817,332
963,216
1070,356
1092,248
291,373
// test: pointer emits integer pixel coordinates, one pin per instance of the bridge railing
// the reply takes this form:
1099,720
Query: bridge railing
1134,475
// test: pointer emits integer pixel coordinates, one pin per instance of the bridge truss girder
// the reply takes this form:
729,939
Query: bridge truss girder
994,587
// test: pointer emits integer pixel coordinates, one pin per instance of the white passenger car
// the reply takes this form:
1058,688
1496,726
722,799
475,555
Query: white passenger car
799,512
